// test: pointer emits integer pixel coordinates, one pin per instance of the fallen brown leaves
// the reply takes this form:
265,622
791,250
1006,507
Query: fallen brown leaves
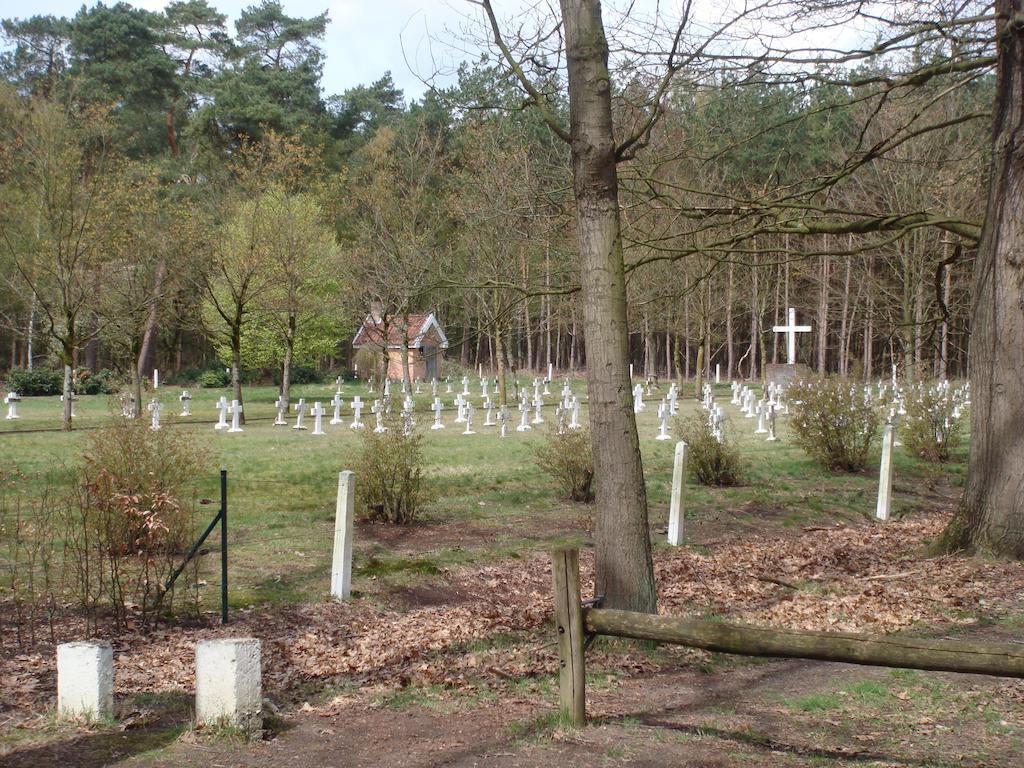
862,578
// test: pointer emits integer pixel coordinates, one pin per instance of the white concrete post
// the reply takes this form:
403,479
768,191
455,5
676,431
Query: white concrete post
884,507
341,568
228,684
85,680
675,512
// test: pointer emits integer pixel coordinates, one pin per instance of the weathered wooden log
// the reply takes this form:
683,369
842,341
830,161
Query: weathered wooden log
565,566
873,650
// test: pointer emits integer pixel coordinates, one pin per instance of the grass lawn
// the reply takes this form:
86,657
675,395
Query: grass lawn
490,498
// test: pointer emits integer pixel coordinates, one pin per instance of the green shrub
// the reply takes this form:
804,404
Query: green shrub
301,374
37,382
833,423
711,462
103,382
930,431
390,486
568,458
214,378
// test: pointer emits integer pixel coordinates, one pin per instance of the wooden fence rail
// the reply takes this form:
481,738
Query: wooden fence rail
574,624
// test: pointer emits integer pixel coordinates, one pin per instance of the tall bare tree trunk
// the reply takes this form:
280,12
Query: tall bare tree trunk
869,321
991,512
823,299
149,333
730,352
624,571
844,318
947,292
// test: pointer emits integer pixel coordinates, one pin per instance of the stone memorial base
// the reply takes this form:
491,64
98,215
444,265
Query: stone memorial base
786,373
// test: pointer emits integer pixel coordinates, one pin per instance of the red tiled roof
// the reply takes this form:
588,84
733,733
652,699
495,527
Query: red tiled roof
371,333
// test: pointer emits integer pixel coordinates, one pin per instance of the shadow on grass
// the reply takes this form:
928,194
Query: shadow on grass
95,750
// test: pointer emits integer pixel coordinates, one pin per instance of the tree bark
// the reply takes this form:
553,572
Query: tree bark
624,569
68,391
730,353
149,334
991,512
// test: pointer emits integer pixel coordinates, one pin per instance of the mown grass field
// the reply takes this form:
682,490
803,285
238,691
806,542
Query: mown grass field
490,499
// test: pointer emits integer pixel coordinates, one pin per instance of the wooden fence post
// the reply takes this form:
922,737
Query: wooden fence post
565,565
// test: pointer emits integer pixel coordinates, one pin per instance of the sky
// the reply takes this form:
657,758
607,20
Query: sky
415,40
365,38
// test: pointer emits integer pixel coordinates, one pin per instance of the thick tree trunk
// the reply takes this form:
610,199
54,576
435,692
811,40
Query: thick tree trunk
624,569
991,513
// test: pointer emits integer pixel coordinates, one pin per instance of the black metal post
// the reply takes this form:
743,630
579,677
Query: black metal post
224,546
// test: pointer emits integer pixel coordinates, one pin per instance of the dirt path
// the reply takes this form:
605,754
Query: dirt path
780,713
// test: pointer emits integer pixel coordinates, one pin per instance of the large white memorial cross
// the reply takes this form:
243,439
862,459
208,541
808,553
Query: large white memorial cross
791,329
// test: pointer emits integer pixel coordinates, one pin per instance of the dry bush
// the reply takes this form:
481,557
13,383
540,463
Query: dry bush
930,430
569,460
130,519
712,462
30,565
833,423
390,486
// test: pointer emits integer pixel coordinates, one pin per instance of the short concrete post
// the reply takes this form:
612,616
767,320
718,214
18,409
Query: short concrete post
228,684
341,568
884,507
85,680
675,511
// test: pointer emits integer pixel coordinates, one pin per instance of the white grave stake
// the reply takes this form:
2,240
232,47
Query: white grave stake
675,512
341,568
884,507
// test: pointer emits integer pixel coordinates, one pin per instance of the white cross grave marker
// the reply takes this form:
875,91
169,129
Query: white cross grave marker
791,329
663,414
524,410
282,408
337,402
300,411
318,418
357,409
11,401
222,407
236,413
186,403
437,408
154,408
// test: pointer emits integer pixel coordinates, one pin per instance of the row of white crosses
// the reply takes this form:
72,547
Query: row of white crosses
235,409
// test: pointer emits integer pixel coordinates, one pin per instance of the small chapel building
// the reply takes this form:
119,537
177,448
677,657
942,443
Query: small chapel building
425,337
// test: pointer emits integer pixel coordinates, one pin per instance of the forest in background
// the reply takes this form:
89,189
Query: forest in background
176,196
